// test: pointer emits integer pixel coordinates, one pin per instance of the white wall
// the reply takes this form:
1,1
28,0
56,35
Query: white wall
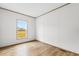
8,28
60,28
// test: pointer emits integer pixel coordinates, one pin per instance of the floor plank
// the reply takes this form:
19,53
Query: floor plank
34,48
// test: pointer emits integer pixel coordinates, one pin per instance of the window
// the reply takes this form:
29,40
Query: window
21,29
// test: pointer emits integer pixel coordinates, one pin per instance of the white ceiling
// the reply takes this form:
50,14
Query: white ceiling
31,9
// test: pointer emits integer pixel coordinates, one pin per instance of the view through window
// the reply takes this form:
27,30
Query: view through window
21,30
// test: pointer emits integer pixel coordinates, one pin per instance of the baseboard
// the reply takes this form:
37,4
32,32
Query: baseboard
17,44
59,47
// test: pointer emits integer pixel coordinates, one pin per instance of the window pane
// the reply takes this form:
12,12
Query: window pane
21,32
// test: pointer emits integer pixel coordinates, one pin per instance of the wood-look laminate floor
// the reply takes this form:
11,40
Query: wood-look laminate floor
34,48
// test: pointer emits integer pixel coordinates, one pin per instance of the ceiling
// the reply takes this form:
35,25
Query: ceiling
31,9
